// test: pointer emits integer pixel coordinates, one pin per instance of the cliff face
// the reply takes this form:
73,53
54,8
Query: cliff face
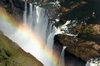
12,55
88,39
13,7
83,49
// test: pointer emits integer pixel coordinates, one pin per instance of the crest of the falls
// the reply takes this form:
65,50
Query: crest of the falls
62,60
64,29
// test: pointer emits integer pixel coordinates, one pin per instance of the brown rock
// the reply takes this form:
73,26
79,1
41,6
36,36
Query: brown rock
63,39
63,9
84,49
91,29
77,29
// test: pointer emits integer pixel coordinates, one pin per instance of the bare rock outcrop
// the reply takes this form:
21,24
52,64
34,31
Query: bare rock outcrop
83,49
91,29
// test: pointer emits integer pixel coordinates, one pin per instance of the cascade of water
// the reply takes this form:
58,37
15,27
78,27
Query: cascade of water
50,43
62,60
30,15
25,13
38,22
63,29
50,39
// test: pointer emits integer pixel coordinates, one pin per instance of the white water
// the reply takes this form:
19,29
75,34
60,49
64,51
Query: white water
62,59
93,62
50,39
63,29
25,13
37,20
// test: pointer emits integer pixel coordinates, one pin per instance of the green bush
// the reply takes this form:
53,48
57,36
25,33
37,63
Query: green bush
3,54
5,6
88,30
1,58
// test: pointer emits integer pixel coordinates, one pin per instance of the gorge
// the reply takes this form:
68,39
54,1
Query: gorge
40,31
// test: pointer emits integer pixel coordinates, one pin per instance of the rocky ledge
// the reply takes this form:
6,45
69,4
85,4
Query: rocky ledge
86,45
82,48
88,32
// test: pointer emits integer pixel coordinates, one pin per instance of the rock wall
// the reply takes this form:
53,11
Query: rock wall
14,7
83,49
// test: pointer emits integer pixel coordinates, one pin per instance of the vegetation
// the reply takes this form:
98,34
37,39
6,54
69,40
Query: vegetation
12,55
5,6
88,30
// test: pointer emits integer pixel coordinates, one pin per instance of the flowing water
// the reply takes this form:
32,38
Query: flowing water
93,62
40,47
62,60
35,35
37,20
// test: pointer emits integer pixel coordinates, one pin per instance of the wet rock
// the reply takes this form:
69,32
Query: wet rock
77,29
14,7
82,48
63,9
85,49
63,39
72,60
88,32
91,29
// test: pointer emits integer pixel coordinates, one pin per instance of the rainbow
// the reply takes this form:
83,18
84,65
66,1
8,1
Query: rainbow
30,35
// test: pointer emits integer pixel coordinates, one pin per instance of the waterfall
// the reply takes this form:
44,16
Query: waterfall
38,21
30,14
50,39
62,60
25,13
